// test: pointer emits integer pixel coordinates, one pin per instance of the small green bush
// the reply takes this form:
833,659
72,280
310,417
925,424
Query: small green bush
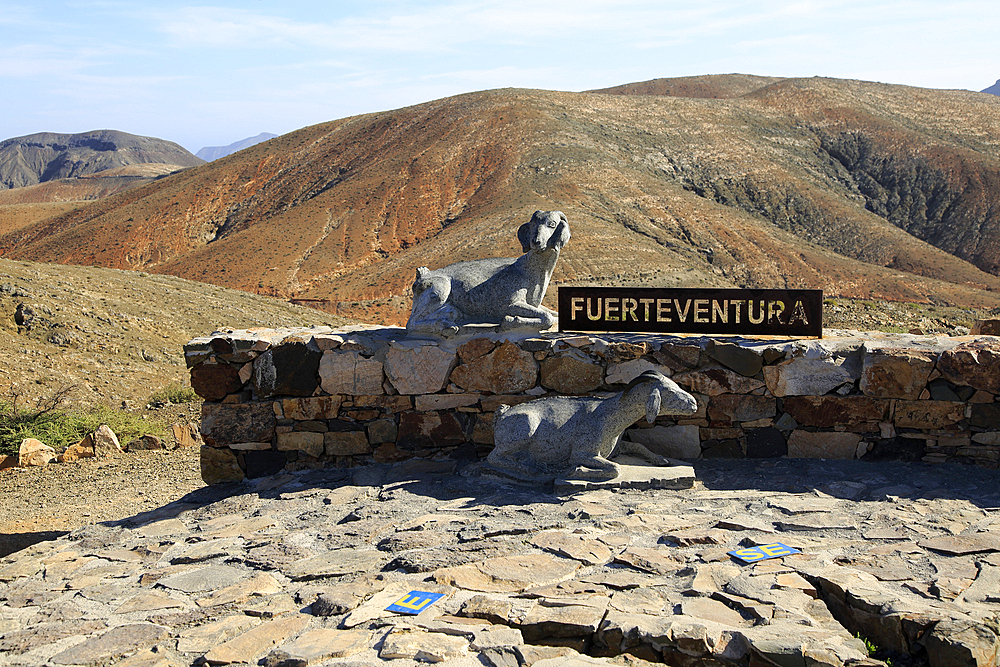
175,393
59,429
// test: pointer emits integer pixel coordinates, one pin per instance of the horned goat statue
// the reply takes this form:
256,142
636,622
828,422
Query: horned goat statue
575,436
504,291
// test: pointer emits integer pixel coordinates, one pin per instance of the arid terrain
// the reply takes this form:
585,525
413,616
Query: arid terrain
865,190
880,195
116,335
115,338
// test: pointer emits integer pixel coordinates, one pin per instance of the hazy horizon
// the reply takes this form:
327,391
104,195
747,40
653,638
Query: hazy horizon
211,75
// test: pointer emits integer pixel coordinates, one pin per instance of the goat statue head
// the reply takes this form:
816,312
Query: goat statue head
547,230
665,397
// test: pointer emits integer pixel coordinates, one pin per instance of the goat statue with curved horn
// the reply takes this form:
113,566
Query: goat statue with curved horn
504,291
575,436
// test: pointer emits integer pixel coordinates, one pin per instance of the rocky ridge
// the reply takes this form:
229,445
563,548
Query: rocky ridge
298,569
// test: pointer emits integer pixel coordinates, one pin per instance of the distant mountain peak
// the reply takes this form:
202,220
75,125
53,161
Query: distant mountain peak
48,156
209,153
994,89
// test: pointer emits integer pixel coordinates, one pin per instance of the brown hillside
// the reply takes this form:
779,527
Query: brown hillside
21,207
861,189
115,335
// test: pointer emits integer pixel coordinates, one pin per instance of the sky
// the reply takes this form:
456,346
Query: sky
212,72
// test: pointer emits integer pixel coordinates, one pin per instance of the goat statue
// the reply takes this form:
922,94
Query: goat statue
504,291
574,436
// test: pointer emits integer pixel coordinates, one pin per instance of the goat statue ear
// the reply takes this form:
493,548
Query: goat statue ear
524,236
560,237
653,405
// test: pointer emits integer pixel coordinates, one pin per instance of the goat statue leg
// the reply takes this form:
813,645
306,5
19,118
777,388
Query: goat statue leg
640,451
595,468
519,316
432,313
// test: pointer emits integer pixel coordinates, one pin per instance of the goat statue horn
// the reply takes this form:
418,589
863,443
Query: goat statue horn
653,405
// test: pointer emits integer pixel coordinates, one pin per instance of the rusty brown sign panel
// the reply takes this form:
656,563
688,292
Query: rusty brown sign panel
764,312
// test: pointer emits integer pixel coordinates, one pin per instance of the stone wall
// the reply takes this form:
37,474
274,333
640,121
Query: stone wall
307,398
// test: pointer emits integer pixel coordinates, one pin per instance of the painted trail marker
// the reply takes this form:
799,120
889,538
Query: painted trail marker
763,552
764,312
414,602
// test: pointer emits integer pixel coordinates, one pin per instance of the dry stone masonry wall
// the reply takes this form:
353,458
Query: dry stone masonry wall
292,399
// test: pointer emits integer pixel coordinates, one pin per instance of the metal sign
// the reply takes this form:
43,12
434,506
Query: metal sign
763,552
414,602
765,312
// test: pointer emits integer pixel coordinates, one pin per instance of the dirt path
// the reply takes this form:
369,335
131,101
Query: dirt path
44,502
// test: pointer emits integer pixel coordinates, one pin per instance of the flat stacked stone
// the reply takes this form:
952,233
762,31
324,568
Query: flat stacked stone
299,568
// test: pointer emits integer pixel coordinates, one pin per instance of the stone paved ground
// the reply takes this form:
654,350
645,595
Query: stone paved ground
298,569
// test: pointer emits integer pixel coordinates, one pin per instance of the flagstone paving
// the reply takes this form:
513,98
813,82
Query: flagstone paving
298,570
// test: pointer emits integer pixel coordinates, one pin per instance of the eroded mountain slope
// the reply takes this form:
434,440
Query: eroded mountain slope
862,189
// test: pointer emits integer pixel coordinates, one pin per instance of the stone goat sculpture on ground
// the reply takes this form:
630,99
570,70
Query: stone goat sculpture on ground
506,291
574,436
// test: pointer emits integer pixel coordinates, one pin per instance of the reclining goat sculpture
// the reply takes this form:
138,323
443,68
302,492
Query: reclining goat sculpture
574,436
506,291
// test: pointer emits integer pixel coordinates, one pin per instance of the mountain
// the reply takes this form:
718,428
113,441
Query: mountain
46,156
209,153
994,89
861,189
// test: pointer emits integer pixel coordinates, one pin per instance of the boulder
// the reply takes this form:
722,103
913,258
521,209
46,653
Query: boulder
291,369
740,408
146,442
717,381
425,430
990,327
219,466
346,443
81,450
896,373
975,364
185,435
303,441
246,422
962,643
34,453
820,445
314,407
105,442
744,361
213,382
569,375
347,372
626,371
828,411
